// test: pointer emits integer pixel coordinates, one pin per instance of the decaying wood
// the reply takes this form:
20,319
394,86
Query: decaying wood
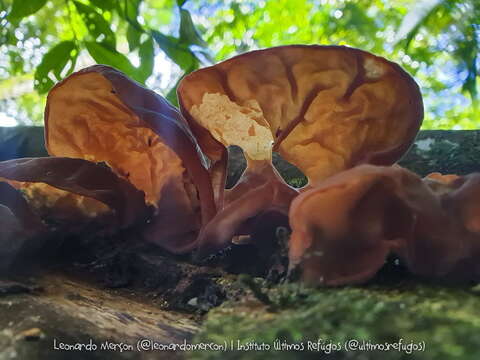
445,151
71,311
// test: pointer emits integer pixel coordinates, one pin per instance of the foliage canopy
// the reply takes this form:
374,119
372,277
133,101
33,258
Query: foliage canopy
157,41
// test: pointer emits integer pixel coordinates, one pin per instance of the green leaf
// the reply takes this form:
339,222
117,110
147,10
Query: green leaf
23,8
179,53
129,10
415,19
146,54
106,5
355,16
172,96
172,93
467,51
103,54
188,33
133,37
96,24
55,61
180,3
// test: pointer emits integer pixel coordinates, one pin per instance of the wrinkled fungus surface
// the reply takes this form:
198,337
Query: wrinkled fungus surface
100,115
343,229
68,188
323,108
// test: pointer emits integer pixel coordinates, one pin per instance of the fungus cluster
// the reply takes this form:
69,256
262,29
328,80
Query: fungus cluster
123,157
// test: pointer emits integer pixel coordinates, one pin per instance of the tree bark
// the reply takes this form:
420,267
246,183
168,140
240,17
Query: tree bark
445,151
69,311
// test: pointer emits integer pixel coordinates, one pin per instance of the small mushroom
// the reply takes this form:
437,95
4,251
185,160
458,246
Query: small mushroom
74,189
101,115
344,228
46,198
22,229
323,108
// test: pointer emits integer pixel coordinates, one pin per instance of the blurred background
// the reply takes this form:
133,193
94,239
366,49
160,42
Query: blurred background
158,41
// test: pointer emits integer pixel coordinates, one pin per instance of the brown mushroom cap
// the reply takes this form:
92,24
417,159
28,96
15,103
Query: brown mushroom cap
99,114
324,108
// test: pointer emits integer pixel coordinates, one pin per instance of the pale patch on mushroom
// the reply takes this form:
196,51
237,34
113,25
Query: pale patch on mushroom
233,124
326,109
46,199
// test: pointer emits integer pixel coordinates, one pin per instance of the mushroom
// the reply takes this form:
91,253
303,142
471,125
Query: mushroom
42,198
99,114
323,108
344,228
22,229
75,191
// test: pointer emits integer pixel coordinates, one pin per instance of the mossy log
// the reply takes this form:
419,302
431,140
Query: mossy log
36,323
72,310
444,151
424,321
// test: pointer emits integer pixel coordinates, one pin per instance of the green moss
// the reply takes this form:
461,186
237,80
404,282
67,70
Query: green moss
297,182
448,152
446,319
